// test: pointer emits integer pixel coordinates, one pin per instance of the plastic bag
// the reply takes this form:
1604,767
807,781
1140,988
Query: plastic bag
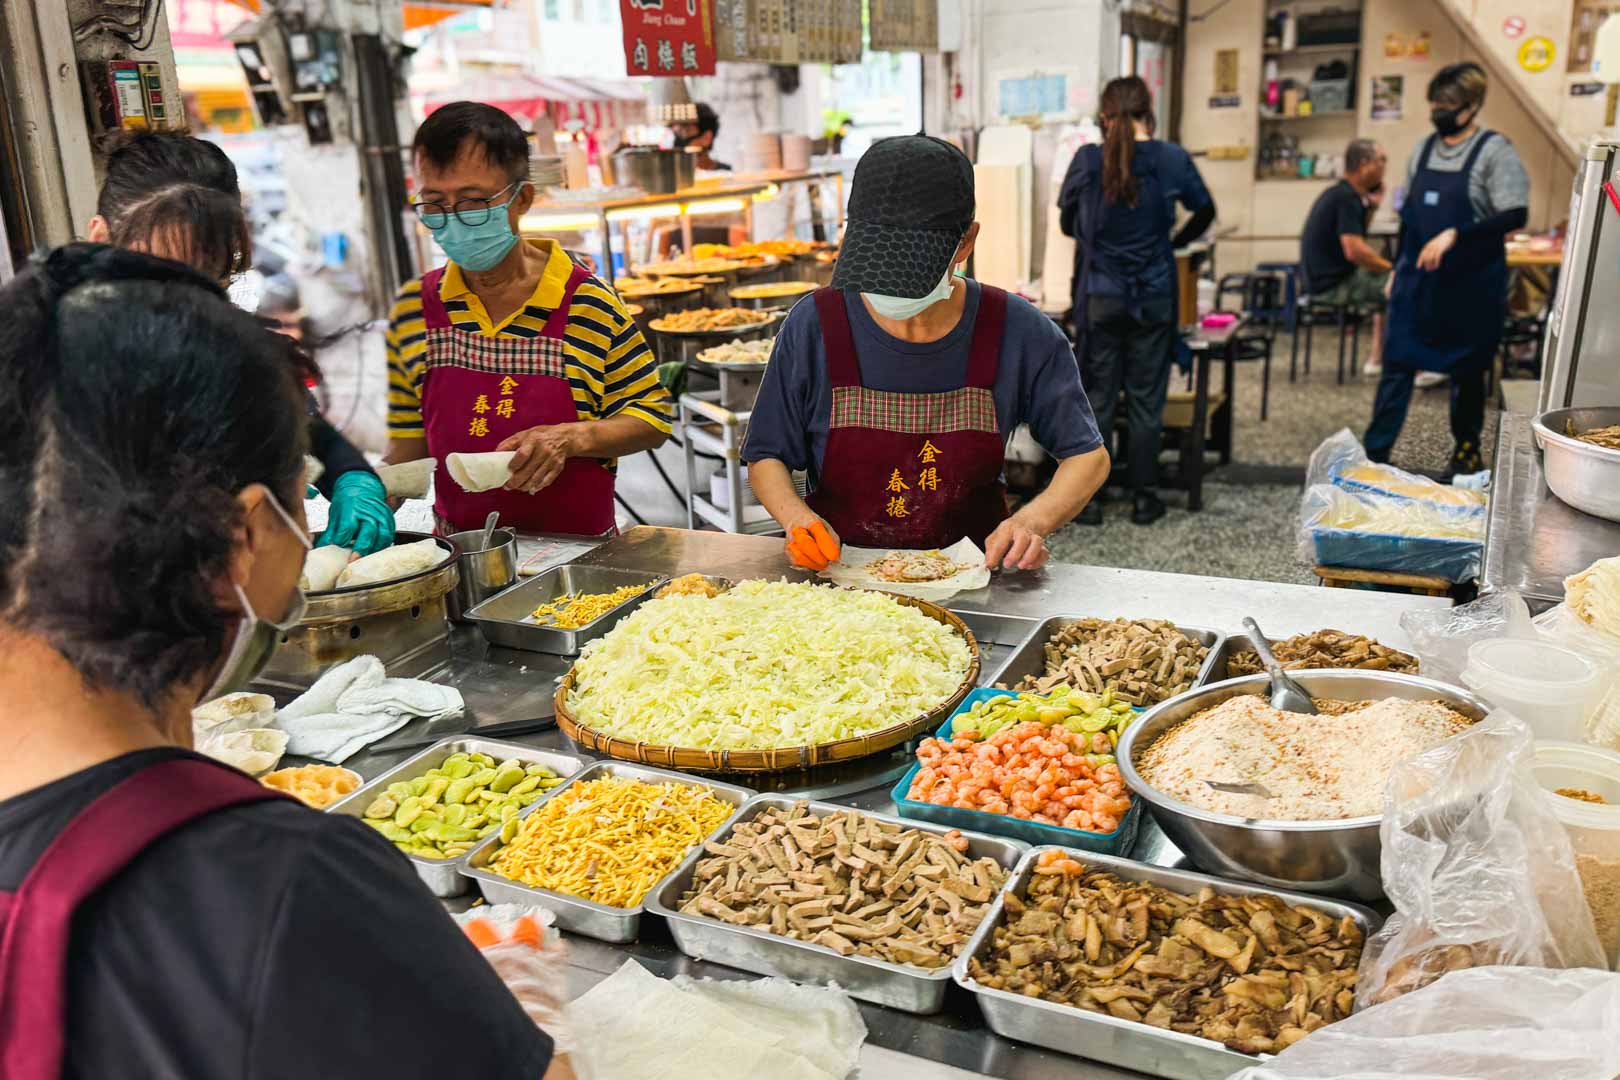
1341,461
1490,1023
1480,871
1441,636
1369,531
531,959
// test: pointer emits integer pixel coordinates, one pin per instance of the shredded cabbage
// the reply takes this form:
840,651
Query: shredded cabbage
766,664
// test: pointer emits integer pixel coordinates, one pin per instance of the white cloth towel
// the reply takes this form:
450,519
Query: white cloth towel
355,704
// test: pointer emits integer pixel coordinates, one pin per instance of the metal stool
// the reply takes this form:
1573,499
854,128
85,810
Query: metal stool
1341,315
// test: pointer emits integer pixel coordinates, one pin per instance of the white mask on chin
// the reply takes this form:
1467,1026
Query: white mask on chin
256,637
904,307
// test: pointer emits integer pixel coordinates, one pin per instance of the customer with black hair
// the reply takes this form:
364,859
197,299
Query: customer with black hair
161,913
700,135
1118,202
512,347
1340,266
176,196
1466,191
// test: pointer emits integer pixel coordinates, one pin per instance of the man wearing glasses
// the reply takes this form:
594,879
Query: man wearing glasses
511,347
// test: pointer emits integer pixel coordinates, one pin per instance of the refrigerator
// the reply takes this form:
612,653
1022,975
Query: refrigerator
1581,359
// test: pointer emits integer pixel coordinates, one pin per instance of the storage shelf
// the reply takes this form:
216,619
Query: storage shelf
1325,114
1311,50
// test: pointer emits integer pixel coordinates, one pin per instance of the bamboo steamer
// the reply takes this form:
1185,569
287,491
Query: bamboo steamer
782,758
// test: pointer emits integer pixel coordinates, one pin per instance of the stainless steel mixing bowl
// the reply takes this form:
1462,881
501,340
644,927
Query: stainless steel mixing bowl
1583,474
1338,858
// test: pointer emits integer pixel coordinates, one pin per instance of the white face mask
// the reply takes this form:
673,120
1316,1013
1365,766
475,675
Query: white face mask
255,638
904,307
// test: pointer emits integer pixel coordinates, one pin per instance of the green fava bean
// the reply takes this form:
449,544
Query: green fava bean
482,760
525,785
509,830
400,790
455,813
435,788
508,775
459,790
394,832
408,811
482,777
442,832
383,806
460,770
419,785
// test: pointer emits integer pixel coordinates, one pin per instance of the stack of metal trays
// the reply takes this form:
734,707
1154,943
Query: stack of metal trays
443,876
1126,1043
611,924
899,986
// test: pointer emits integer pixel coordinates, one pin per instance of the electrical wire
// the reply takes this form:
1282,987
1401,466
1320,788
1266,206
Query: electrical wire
1201,17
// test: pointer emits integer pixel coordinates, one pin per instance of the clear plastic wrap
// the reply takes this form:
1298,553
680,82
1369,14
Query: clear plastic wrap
1441,636
1341,461
531,959
1369,531
1478,868
1489,1023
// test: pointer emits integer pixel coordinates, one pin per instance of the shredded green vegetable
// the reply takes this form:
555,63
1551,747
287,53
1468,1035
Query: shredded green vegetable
766,664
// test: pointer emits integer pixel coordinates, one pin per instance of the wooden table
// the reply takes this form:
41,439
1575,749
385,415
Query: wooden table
1209,422
1524,255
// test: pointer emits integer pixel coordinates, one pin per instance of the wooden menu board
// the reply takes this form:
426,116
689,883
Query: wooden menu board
788,31
905,25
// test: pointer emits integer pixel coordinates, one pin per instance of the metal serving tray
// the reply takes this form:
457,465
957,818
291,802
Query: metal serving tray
1030,657
443,876
1125,1043
611,924
909,989
998,635
508,619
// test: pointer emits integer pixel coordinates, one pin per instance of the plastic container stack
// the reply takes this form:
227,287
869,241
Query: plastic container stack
1573,774
1549,687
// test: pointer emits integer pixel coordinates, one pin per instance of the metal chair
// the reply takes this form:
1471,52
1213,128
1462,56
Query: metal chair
1261,297
1319,312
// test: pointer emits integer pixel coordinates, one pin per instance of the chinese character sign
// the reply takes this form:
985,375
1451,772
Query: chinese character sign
668,37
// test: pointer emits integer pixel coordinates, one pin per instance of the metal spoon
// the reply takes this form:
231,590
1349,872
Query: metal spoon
1286,694
1240,788
489,529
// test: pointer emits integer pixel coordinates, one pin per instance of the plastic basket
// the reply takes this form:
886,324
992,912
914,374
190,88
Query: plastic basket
1118,842
1453,559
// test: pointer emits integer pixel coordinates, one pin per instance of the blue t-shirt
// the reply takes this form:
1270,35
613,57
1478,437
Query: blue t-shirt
1131,253
1037,380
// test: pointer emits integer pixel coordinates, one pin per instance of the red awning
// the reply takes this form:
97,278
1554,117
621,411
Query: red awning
594,103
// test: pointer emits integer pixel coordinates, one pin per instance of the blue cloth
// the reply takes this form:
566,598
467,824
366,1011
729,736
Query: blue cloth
1130,246
1037,381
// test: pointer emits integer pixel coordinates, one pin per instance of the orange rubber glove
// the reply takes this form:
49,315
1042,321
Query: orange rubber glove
804,552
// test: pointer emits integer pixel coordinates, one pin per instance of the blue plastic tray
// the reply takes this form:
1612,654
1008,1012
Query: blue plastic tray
1117,842
1452,559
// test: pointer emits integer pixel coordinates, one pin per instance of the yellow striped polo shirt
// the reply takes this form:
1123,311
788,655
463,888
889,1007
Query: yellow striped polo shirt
610,368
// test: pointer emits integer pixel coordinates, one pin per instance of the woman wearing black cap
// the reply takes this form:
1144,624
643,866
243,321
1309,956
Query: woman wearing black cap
896,390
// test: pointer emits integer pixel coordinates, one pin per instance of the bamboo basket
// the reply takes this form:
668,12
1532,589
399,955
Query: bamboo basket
782,758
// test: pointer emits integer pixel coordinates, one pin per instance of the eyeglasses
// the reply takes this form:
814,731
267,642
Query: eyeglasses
472,212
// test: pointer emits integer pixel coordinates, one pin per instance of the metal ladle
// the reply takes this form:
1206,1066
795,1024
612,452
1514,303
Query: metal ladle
1286,694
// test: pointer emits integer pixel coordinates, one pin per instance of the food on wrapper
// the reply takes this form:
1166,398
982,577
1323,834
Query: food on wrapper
739,352
856,885
1594,595
681,267
451,807
232,712
932,565
1326,767
630,287
1143,661
253,750
322,567
766,664
1056,767
608,841
689,585
314,785
570,611
407,479
702,320
755,248
1606,437
401,560
480,472
1326,649
772,289
1251,972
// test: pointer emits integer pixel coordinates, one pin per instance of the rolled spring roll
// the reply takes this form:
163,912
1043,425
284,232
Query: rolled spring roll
254,751
231,712
480,472
408,479
390,563
322,566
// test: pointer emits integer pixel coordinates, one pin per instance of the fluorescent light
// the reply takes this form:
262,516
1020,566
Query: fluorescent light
645,213
715,206
557,222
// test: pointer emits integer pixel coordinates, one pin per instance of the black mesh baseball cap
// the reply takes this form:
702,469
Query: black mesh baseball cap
910,205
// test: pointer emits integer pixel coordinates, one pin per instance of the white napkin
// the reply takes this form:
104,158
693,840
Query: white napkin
355,704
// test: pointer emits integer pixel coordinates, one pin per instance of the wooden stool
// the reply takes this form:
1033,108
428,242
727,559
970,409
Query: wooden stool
1347,577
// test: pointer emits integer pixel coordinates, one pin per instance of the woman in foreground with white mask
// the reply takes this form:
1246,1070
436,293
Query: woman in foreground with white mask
161,913
897,389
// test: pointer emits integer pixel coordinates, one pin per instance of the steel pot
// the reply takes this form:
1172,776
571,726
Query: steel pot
653,169
484,571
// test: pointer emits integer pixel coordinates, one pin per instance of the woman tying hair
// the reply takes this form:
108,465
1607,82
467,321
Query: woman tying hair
1118,202
162,914
176,196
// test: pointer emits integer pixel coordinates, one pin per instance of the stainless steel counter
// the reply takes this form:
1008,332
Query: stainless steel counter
505,685
1534,540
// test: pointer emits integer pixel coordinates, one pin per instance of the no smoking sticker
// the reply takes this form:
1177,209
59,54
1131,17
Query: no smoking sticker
1513,26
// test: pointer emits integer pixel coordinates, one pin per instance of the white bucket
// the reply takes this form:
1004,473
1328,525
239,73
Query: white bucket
1549,687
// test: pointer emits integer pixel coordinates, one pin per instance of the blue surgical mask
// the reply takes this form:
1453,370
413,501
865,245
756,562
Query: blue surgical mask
904,307
477,247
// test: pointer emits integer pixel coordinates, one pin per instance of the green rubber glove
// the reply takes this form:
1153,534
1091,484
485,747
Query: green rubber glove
360,518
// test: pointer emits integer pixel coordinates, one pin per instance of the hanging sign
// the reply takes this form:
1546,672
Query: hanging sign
903,25
1536,54
667,37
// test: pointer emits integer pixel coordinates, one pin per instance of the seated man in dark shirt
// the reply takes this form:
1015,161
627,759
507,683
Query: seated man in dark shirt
1340,266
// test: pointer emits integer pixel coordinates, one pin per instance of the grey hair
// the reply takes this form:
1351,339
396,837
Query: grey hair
1359,153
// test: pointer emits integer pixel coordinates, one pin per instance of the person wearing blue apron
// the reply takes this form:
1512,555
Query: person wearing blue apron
1118,202
1449,296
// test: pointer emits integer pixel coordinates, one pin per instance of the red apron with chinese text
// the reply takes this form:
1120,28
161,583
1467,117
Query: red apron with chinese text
477,391
906,470
37,920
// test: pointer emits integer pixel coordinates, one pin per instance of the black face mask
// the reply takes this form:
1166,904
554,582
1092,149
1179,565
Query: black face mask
1446,121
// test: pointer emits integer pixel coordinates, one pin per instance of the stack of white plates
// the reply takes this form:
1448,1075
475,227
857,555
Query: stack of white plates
796,152
546,170
762,152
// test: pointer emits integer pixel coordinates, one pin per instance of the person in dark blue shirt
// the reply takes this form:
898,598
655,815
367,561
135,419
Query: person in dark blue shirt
1118,202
